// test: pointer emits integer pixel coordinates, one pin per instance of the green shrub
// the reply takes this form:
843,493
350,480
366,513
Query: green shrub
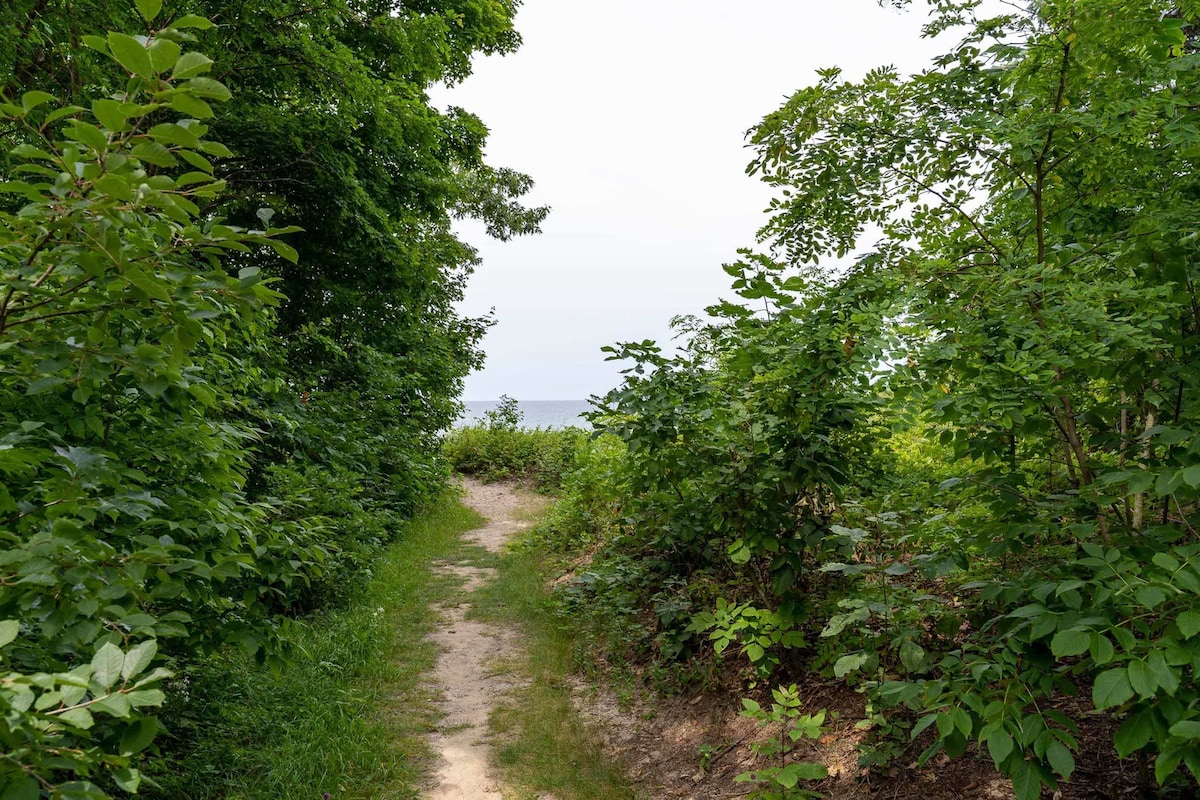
500,449
129,545
589,498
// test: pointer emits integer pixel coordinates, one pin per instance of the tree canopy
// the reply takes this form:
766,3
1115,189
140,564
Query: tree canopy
948,446
227,314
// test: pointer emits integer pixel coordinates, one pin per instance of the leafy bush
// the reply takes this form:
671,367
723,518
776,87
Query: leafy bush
127,537
502,449
189,458
961,472
588,507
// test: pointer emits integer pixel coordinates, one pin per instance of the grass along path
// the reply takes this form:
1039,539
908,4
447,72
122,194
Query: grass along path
351,716
447,617
470,653
541,748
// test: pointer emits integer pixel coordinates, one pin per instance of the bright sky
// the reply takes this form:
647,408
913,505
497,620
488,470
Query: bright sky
631,117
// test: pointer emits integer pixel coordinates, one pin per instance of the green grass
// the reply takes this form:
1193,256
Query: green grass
351,715
541,743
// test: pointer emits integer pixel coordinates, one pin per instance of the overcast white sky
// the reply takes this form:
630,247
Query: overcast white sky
631,117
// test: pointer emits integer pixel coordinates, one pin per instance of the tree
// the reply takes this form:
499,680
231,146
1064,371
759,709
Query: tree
121,513
1036,200
1029,304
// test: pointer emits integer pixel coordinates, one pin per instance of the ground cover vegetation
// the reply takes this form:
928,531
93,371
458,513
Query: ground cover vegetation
229,345
351,713
542,745
960,468
500,447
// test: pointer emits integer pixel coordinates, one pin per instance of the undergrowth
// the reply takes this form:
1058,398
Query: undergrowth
501,449
350,716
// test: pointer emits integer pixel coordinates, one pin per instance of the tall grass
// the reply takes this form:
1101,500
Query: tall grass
542,457
350,716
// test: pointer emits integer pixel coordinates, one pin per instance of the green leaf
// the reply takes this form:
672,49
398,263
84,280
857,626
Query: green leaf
110,114
164,54
1060,758
115,705
1000,746
1191,476
28,190
190,65
1142,679
131,54
31,152
31,100
107,664
912,655
196,160
78,717
138,658
847,664
149,284
792,774
82,459
1135,733
88,135
95,42
192,21
128,779
1165,562
115,186
1112,688
1101,649
172,133
44,384
138,736
1150,596
1165,676
1187,729
153,153
22,789
1070,643
206,88
192,106
8,631
1027,784
217,149
1140,481
1166,764
146,697
149,9
1168,482
739,553
289,253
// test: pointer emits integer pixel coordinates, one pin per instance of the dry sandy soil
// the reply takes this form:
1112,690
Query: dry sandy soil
466,669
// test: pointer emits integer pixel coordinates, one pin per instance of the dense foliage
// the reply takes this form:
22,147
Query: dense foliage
501,447
961,471
198,439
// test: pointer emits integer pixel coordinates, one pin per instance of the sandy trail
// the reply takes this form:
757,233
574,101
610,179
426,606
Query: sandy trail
464,670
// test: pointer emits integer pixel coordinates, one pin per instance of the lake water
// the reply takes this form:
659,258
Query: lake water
535,413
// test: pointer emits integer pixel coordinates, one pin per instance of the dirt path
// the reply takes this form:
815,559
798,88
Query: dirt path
469,649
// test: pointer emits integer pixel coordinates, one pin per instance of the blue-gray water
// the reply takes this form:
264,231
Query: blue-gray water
536,413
